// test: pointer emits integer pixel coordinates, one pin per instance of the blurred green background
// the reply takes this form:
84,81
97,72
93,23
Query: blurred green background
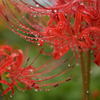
71,90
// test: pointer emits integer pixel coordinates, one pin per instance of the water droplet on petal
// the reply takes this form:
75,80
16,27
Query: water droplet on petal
31,70
9,68
37,5
31,7
77,64
55,11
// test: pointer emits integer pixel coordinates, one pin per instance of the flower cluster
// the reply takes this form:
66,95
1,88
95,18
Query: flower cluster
14,73
71,24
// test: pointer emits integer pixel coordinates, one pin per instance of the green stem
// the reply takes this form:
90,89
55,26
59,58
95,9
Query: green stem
85,61
5,97
1,88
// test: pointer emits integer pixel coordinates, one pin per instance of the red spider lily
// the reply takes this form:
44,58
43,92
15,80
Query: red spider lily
91,15
45,6
11,65
58,31
53,34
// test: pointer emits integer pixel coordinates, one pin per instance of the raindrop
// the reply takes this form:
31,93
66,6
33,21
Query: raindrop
36,39
48,11
36,90
37,5
39,79
31,7
77,64
22,90
38,44
31,70
9,68
34,16
11,96
69,65
55,11
50,31
87,92
47,90
91,72
60,54
40,89
12,26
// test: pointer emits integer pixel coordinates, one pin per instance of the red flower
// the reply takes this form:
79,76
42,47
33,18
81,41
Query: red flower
58,33
91,15
11,66
71,24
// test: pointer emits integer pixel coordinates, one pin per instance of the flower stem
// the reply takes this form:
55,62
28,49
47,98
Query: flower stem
85,61
5,97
